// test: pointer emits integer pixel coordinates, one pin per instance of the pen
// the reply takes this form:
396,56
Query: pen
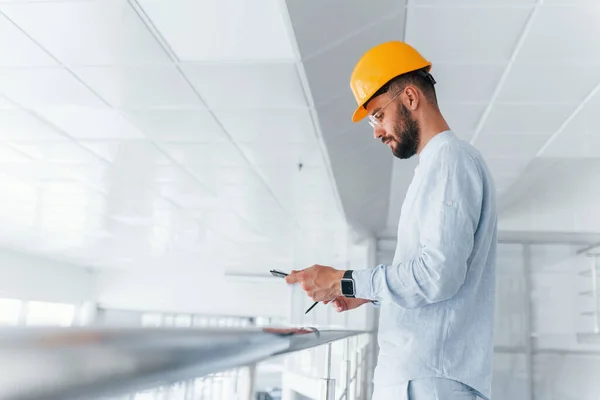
311,307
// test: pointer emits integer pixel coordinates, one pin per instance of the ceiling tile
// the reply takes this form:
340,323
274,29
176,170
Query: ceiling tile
286,126
17,49
19,125
217,154
91,123
253,86
503,145
139,151
526,118
571,2
568,146
319,24
140,87
5,104
329,72
178,125
560,33
10,154
462,117
471,83
507,167
335,117
498,30
260,153
549,83
479,3
222,30
63,151
221,179
100,32
39,171
356,141
38,87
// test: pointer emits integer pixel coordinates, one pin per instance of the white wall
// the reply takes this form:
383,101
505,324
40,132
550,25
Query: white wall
562,368
29,277
565,200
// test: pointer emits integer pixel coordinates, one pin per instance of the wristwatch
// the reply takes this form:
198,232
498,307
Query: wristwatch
347,285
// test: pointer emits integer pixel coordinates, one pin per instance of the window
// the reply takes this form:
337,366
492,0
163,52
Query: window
10,310
49,314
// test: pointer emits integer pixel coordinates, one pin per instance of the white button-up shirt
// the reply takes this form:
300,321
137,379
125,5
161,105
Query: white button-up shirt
437,297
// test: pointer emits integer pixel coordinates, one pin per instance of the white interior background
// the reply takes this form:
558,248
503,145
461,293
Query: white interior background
161,156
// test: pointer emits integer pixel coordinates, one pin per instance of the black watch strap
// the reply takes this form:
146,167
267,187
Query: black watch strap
347,285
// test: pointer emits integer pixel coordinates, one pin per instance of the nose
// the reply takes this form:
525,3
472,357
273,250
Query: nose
378,132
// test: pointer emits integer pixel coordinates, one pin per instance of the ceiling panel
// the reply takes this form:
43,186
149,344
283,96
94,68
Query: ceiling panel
99,32
39,87
10,154
91,123
479,3
320,24
549,83
526,118
498,30
20,125
268,126
561,33
220,178
137,151
217,154
5,104
571,2
40,171
474,83
140,87
504,145
573,146
17,49
283,153
329,72
507,167
222,30
178,125
335,117
63,151
274,85
462,117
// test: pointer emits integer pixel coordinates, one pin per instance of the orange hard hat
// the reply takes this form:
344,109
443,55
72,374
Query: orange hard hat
378,66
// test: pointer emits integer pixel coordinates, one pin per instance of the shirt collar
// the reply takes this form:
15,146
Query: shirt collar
434,144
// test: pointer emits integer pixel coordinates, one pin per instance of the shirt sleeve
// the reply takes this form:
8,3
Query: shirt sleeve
450,201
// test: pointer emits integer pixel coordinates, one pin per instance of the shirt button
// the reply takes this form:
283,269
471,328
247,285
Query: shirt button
449,203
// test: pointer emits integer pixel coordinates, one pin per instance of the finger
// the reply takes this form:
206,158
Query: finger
293,277
328,301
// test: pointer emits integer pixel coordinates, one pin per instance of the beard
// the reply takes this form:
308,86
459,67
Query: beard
406,135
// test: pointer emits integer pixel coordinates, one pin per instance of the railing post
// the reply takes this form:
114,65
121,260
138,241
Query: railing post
348,368
327,389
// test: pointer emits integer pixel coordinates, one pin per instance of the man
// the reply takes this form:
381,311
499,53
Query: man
437,297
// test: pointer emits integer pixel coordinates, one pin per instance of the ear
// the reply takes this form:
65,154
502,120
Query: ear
412,98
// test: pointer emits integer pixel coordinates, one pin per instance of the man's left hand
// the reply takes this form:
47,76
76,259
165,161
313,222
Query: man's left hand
321,283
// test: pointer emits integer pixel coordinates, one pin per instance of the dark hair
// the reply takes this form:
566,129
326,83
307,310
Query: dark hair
420,78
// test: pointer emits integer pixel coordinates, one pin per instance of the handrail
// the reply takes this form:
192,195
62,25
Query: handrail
83,363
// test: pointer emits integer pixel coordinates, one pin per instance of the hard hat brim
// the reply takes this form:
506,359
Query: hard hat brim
359,114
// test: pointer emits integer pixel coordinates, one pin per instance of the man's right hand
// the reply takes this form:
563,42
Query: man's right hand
347,303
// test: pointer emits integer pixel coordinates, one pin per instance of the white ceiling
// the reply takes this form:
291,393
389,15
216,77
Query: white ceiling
518,79
151,132
136,132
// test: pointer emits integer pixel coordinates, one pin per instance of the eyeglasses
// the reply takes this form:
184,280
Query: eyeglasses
375,119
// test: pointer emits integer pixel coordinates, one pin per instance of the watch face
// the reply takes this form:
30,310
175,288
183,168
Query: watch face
347,287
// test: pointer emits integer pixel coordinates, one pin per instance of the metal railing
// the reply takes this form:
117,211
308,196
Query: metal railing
87,363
